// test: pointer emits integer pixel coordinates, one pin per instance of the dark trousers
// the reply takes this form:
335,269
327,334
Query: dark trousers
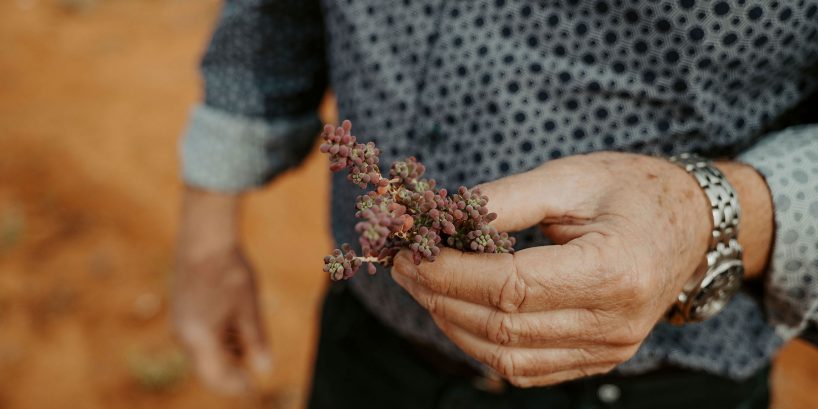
363,364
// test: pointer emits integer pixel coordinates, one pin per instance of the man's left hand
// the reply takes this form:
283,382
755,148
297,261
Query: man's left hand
629,231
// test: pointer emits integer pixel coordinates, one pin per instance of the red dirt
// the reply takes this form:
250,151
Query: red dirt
93,96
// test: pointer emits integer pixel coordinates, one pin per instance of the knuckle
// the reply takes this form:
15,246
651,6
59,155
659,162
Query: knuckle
597,320
505,363
598,262
608,264
514,291
634,332
502,329
593,250
419,274
633,287
597,325
631,284
587,356
428,274
432,302
643,286
608,329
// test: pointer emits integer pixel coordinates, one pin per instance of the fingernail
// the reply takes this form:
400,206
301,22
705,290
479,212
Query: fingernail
407,283
404,265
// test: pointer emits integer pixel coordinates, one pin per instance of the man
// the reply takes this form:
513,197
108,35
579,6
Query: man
564,112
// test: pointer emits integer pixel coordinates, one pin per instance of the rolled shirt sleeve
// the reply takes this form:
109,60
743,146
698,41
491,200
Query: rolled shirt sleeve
231,153
788,160
264,76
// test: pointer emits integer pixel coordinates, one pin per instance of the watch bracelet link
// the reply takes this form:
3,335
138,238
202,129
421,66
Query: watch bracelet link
723,244
722,197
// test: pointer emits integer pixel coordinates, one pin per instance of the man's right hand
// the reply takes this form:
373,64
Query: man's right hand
215,305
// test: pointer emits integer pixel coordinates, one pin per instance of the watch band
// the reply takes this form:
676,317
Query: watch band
722,196
719,276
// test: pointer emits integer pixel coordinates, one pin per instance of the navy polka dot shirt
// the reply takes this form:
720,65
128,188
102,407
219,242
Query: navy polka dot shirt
486,88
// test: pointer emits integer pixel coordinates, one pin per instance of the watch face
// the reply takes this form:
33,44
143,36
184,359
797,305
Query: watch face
717,288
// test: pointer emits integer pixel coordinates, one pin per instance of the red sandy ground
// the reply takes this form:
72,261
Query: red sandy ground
93,94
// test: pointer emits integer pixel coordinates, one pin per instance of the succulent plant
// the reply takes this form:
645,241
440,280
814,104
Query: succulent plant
404,211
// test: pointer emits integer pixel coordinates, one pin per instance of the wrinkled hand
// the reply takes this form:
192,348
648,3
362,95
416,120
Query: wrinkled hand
215,305
629,230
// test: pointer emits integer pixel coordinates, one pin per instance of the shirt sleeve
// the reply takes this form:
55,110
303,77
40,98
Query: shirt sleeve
264,76
789,162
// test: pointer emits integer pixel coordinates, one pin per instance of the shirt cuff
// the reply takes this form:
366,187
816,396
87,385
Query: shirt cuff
225,152
789,162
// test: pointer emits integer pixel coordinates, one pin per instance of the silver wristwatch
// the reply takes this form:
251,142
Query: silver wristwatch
719,276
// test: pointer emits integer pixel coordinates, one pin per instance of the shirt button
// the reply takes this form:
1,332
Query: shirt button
608,393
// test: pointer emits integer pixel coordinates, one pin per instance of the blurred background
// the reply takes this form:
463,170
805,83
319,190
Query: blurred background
93,96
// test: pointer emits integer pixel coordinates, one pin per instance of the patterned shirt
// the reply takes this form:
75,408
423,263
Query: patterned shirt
486,88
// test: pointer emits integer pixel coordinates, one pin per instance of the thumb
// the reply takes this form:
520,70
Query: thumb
525,199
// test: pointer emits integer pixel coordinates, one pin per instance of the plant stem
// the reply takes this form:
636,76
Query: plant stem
369,259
